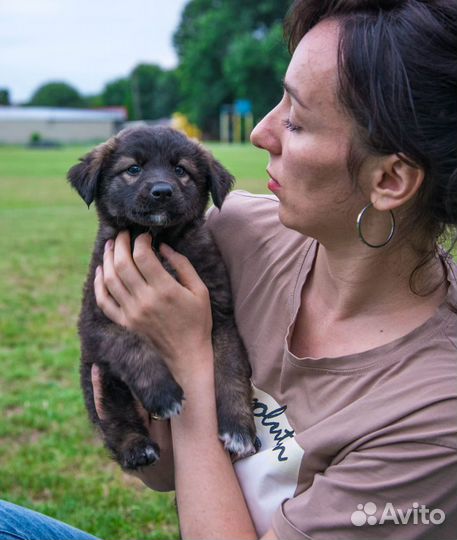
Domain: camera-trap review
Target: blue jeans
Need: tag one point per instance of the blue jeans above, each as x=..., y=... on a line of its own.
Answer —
x=18, y=523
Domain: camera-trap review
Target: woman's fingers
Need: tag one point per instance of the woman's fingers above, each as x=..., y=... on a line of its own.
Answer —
x=111, y=279
x=147, y=262
x=105, y=301
x=97, y=387
x=145, y=268
x=187, y=274
x=124, y=266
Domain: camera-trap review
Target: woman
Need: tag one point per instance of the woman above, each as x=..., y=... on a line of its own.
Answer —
x=345, y=302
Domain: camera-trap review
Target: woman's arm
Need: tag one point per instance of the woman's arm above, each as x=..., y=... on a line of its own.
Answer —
x=209, y=498
x=176, y=316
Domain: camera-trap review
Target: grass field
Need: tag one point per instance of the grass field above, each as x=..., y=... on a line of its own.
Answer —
x=50, y=459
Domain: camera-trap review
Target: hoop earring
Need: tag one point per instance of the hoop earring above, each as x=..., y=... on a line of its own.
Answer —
x=359, y=228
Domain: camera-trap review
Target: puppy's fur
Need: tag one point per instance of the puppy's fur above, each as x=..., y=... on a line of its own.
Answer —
x=157, y=180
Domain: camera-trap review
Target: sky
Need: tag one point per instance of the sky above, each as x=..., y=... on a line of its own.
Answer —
x=85, y=43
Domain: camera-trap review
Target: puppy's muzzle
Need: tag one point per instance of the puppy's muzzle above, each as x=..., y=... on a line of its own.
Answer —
x=161, y=191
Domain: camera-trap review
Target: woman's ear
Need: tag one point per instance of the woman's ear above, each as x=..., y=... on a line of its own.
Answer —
x=85, y=175
x=396, y=181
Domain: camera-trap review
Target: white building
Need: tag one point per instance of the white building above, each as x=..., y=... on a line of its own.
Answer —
x=19, y=124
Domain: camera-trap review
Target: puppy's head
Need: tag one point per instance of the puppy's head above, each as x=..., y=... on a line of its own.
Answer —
x=152, y=177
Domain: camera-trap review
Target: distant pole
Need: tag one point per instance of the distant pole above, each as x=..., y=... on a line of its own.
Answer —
x=236, y=121
x=225, y=123
x=243, y=109
x=237, y=130
x=248, y=125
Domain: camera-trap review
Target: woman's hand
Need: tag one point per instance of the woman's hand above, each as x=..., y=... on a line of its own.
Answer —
x=138, y=293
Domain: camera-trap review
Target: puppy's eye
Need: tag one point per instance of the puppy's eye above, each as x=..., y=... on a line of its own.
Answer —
x=180, y=171
x=134, y=170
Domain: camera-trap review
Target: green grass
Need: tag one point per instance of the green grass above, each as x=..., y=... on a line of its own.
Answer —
x=50, y=459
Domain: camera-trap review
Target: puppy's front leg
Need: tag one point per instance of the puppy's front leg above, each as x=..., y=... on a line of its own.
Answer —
x=124, y=432
x=130, y=368
x=135, y=362
x=233, y=390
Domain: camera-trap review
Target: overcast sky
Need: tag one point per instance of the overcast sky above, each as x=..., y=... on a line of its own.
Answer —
x=85, y=43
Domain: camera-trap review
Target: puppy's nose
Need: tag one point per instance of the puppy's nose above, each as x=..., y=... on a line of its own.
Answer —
x=161, y=191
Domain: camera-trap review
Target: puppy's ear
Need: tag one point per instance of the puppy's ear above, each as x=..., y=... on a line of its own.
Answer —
x=85, y=175
x=220, y=181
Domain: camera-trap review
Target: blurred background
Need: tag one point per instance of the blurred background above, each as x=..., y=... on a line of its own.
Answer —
x=72, y=73
x=218, y=64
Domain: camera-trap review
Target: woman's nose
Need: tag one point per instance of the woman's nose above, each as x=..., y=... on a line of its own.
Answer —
x=265, y=134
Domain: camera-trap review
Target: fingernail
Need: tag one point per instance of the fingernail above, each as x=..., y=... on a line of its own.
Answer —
x=109, y=245
x=95, y=371
x=166, y=248
x=98, y=270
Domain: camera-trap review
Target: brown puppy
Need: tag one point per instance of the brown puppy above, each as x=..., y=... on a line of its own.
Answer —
x=157, y=180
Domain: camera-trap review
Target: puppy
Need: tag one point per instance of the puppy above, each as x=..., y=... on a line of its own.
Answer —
x=157, y=180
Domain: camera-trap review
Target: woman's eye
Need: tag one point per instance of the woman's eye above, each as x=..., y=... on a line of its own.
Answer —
x=134, y=170
x=288, y=124
x=180, y=171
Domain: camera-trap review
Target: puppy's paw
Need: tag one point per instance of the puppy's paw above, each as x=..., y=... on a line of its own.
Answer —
x=237, y=429
x=239, y=444
x=165, y=402
x=166, y=411
x=138, y=454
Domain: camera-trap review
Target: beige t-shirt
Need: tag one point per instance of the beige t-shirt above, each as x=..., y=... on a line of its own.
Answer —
x=356, y=447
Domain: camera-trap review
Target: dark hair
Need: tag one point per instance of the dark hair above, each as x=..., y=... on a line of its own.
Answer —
x=397, y=67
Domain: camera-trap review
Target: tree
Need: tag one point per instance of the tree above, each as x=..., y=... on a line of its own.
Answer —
x=4, y=96
x=155, y=92
x=254, y=66
x=168, y=93
x=57, y=94
x=225, y=49
x=201, y=45
x=94, y=101
x=118, y=93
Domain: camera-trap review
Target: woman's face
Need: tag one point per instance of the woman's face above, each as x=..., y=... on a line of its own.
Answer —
x=307, y=135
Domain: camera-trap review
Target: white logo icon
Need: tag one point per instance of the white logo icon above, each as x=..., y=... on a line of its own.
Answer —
x=364, y=514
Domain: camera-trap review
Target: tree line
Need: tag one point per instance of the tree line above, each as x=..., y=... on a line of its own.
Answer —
x=227, y=50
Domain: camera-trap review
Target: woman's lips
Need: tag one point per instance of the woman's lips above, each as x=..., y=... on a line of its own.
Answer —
x=273, y=184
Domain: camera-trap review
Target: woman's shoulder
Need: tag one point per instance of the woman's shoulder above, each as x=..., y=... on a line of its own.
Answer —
x=242, y=208
x=248, y=226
